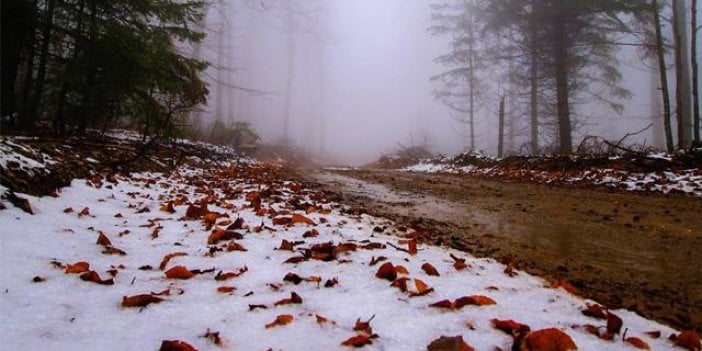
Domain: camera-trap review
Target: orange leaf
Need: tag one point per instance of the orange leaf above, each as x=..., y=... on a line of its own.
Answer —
x=226, y=289
x=168, y=257
x=638, y=343
x=458, y=263
x=449, y=343
x=78, y=267
x=429, y=269
x=225, y=276
x=168, y=207
x=400, y=283
x=179, y=272
x=298, y=218
x=176, y=345
x=103, y=240
x=294, y=299
x=281, y=319
x=141, y=300
x=550, y=339
x=563, y=284
x=219, y=234
x=689, y=340
x=412, y=244
x=509, y=326
x=478, y=300
x=286, y=245
x=387, y=272
x=364, y=327
x=401, y=270
x=443, y=304
x=357, y=341
x=422, y=288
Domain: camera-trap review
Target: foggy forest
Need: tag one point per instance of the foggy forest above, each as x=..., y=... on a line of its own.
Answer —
x=327, y=174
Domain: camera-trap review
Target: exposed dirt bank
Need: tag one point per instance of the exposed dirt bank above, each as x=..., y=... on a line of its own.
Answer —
x=641, y=252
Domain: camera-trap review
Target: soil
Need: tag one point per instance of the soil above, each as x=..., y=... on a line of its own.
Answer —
x=636, y=251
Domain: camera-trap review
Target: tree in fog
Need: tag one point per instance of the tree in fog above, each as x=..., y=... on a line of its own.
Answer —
x=683, y=90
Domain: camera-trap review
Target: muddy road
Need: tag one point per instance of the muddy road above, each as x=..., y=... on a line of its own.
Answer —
x=641, y=252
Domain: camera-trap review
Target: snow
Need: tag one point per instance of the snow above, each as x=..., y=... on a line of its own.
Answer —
x=66, y=313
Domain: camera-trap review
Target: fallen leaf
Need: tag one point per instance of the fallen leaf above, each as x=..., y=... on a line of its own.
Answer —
x=168, y=257
x=286, y=245
x=312, y=233
x=458, y=263
x=111, y=250
x=387, y=272
x=38, y=279
x=179, y=272
x=449, y=343
x=254, y=307
x=280, y=320
x=92, y=276
x=595, y=311
x=103, y=240
x=401, y=269
x=364, y=327
x=320, y=319
x=141, y=300
x=478, y=300
x=155, y=232
x=19, y=202
x=565, y=285
x=298, y=218
x=235, y=246
x=689, y=340
x=374, y=260
x=429, y=269
x=168, y=207
x=212, y=336
x=84, y=212
x=176, y=345
x=510, y=327
x=294, y=299
x=422, y=288
x=78, y=267
x=357, y=341
x=218, y=234
x=295, y=259
x=638, y=343
x=226, y=289
x=293, y=278
x=400, y=283
x=412, y=247
x=550, y=339
x=330, y=283
x=614, y=323
x=229, y=275
x=655, y=334
x=443, y=304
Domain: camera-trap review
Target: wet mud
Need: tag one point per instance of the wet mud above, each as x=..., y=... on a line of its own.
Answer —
x=624, y=250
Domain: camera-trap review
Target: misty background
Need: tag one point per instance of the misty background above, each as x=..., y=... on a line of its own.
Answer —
x=353, y=80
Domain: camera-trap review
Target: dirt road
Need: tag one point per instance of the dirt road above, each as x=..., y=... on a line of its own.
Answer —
x=641, y=252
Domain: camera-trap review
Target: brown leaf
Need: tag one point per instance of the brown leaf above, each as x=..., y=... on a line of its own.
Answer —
x=387, y=272
x=449, y=343
x=655, y=334
x=458, y=263
x=168, y=207
x=235, y=246
x=374, y=260
x=638, y=343
x=330, y=283
x=154, y=233
x=280, y=320
x=401, y=269
x=614, y=323
x=179, y=272
x=68, y=210
x=320, y=319
x=78, y=267
x=176, y=345
x=141, y=300
x=221, y=276
x=295, y=259
x=92, y=276
x=429, y=269
x=195, y=212
x=595, y=311
x=298, y=218
x=364, y=327
x=84, y=212
x=478, y=300
x=254, y=307
x=357, y=341
x=212, y=336
x=226, y=289
x=286, y=245
x=218, y=234
x=19, y=202
x=412, y=247
x=689, y=340
x=510, y=327
x=168, y=257
x=103, y=240
x=400, y=283
x=294, y=299
x=422, y=288
x=312, y=233
x=111, y=250
x=550, y=339
x=293, y=278
x=565, y=285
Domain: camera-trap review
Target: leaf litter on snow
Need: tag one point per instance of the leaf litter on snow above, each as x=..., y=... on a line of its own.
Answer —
x=256, y=261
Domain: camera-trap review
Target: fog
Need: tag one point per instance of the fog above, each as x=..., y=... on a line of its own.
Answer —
x=353, y=79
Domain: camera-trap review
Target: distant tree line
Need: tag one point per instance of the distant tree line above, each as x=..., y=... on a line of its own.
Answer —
x=550, y=56
x=70, y=65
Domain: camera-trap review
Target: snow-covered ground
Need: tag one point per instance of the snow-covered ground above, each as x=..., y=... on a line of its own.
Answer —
x=682, y=181
x=268, y=264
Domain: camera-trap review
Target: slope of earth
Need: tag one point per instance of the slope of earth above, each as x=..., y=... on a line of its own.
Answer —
x=635, y=251
x=240, y=258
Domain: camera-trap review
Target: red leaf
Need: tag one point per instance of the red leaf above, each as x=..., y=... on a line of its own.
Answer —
x=443, y=304
x=141, y=300
x=103, y=240
x=614, y=323
x=78, y=267
x=179, y=272
x=510, y=327
x=595, y=311
x=412, y=244
x=689, y=340
x=400, y=283
x=364, y=327
x=429, y=269
x=280, y=320
x=458, y=263
x=168, y=257
x=565, y=285
x=176, y=345
x=92, y=276
x=229, y=275
x=550, y=339
x=387, y=272
x=357, y=341
x=449, y=343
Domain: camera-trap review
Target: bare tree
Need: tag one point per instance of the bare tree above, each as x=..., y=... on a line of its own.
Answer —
x=683, y=90
x=695, y=74
x=663, y=76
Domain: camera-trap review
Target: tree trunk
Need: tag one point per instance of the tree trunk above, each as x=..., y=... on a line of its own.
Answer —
x=663, y=75
x=683, y=91
x=471, y=83
x=533, y=102
x=31, y=117
x=17, y=22
x=501, y=128
x=562, y=94
x=695, y=73
x=290, y=74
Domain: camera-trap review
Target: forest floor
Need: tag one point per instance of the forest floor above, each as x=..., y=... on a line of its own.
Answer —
x=627, y=250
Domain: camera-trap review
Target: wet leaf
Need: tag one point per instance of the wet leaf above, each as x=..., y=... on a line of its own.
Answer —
x=179, y=272
x=141, y=300
x=429, y=269
x=168, y=257
x=78, y=267
x=449, y=343
x=689, y=340
x=550, y=339
x=638, y=343
x=387, y=272
x=357, y=341
x=176, y=345
x=280, y=320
